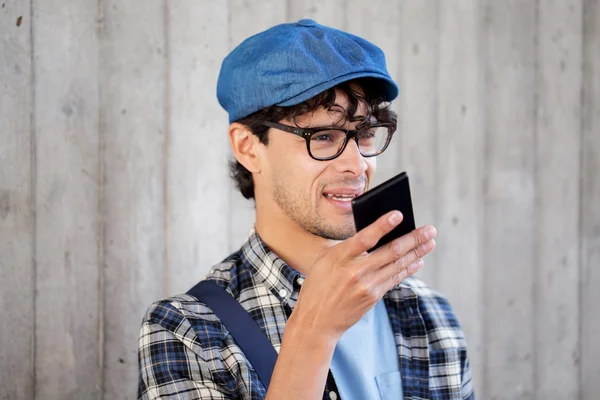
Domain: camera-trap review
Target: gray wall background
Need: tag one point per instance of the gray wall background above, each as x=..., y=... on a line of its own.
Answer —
x=114, y=188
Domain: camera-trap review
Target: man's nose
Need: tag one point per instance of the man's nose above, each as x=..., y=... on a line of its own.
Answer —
x=351, y=160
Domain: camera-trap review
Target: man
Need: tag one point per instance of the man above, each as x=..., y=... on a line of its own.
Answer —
x=309, y=111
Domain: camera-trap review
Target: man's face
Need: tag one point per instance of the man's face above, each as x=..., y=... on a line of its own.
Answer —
x=314, y=194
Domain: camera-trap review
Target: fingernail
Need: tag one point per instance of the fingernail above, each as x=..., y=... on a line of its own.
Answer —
x=430, y=232
x=395, y=217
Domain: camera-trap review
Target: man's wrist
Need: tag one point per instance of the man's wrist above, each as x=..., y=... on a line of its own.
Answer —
x=305, y=335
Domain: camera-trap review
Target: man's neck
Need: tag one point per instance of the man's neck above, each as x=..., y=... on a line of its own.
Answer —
x=294, y=245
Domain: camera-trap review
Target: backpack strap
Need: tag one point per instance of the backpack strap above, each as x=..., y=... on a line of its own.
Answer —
x=249, y=337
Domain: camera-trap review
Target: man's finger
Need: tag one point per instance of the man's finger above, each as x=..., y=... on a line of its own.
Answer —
x=368, y=237
x=393, y=280
x=394, y=268
x=409, y=245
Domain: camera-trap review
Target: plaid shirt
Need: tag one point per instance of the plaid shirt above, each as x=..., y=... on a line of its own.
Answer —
x=186, y=353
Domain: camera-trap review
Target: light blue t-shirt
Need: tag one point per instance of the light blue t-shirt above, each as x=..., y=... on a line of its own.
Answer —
x=365, y=362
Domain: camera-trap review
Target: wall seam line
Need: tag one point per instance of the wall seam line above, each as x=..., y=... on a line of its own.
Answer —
x=101, y=226
x=166, y=146
x=536, y=170
x=485, y=332
x=33, y=191
x=582, y=202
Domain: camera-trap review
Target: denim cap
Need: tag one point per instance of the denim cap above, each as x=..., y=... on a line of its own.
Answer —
x=291, y=63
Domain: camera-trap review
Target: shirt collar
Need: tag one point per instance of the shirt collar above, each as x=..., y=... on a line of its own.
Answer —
x=270, y=270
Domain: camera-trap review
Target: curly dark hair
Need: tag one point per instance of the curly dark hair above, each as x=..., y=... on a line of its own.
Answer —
x=373, y=98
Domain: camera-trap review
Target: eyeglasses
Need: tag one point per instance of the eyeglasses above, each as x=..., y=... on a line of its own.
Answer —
x=327, y=143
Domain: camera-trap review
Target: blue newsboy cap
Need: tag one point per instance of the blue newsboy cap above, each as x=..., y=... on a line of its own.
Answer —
x=291, y=63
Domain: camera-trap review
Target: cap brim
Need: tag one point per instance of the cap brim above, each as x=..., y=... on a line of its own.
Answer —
x=390, y=88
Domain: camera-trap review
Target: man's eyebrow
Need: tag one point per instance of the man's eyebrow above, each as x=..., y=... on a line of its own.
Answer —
x=337, y=109
x=322, y=126
x=340, y=124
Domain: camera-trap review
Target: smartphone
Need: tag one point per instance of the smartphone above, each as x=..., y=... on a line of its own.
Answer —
x=393, y=194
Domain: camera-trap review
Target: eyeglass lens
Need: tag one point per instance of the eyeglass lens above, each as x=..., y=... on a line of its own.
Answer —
x=328, y=143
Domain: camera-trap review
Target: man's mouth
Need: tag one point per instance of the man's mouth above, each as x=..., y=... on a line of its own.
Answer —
x=341, y=197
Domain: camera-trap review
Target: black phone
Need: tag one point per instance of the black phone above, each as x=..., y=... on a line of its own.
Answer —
x=393, y=194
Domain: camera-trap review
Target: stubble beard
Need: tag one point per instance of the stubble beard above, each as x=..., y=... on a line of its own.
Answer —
x=299, y=208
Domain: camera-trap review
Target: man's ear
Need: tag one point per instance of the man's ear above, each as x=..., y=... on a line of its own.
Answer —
x=243, y=144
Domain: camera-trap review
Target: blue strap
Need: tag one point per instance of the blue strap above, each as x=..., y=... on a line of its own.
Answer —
x=250, y=338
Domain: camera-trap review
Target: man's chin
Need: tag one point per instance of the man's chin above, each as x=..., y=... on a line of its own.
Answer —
x=335, y=231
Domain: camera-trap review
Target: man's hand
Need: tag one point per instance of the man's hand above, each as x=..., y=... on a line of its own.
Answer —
x=346, y=282
x=342, y=285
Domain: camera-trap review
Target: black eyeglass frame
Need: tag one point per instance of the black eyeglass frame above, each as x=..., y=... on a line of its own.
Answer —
x=307, y=134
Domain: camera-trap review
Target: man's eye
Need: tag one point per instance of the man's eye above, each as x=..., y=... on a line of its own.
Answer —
x=366, y=134
x=324, y=137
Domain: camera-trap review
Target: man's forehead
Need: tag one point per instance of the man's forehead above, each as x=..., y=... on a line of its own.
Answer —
x=343, y=103
x=342, y=99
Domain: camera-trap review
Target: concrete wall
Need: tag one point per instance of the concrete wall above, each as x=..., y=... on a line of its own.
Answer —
x=114, y=188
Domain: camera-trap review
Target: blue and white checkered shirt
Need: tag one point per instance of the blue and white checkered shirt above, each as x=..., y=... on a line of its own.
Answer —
x=186, y=353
